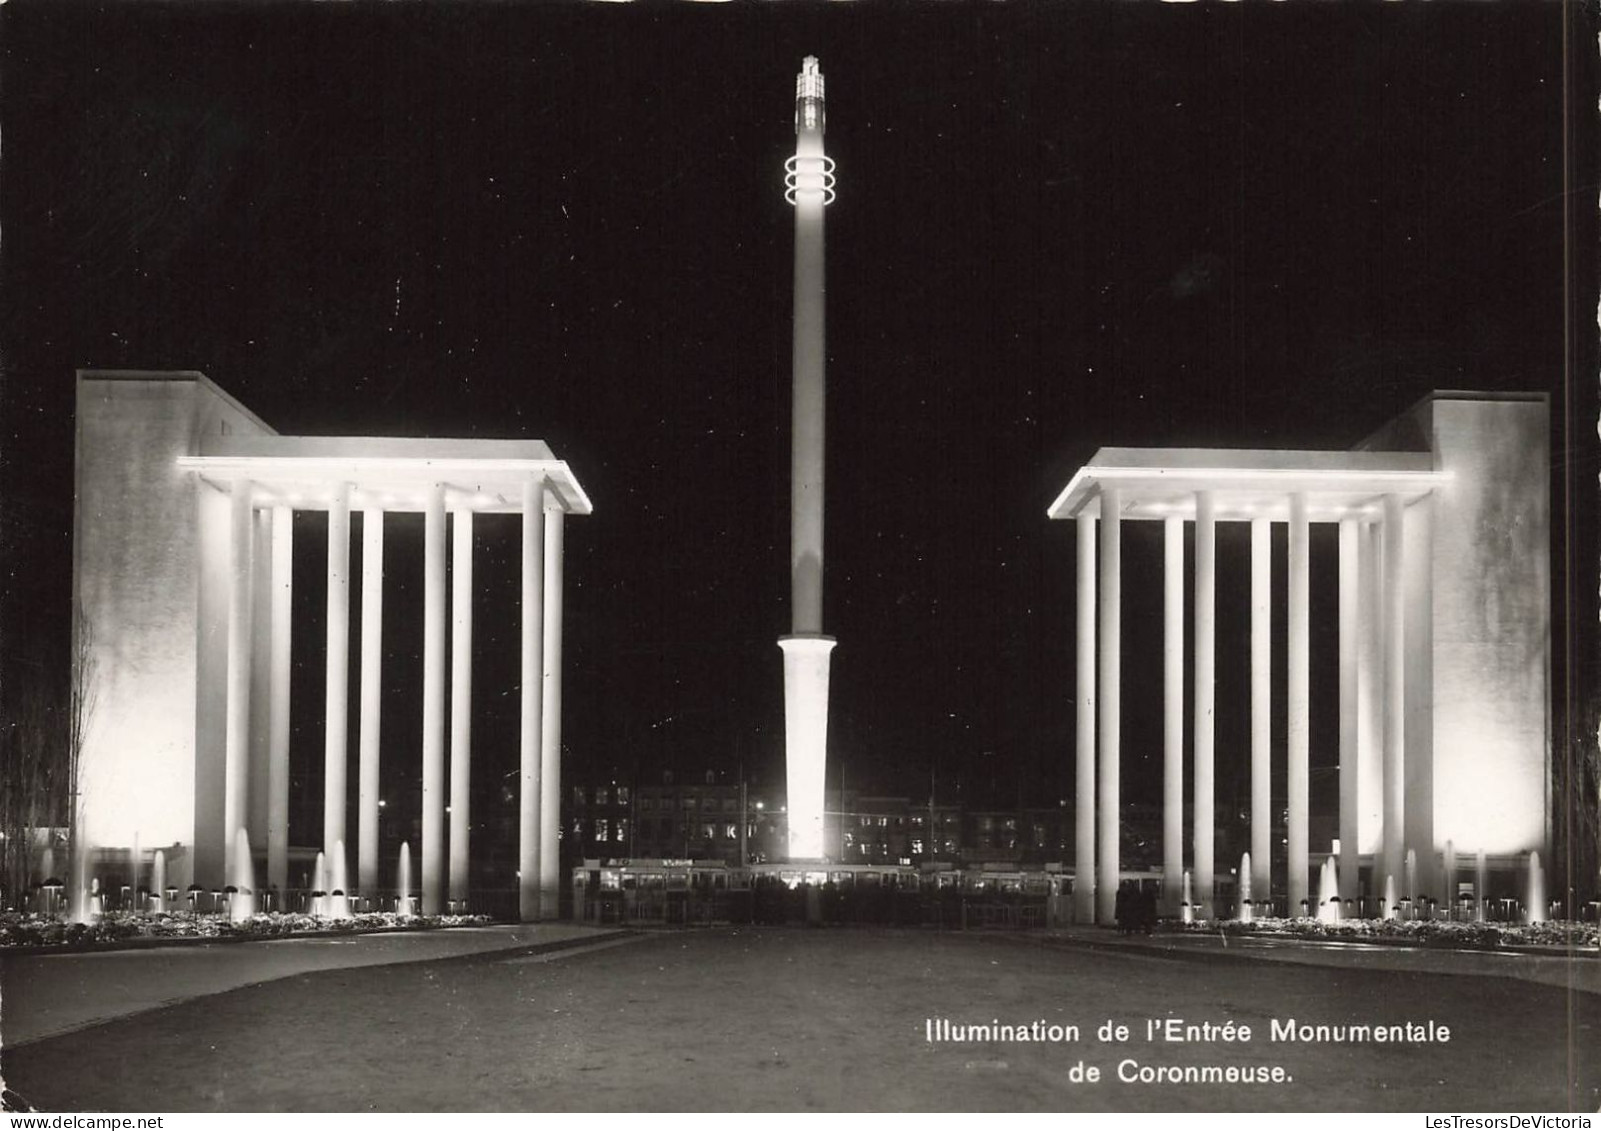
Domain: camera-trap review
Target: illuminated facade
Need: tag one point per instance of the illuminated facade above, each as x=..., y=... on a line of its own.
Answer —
x=809, y=186
x=1444, y=698
x=182, y=566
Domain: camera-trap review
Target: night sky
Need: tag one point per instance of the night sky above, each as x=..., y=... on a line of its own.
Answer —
x=1059, y=227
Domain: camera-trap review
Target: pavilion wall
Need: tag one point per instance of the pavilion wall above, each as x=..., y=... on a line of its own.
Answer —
x=140, y=556
x=1487, y=680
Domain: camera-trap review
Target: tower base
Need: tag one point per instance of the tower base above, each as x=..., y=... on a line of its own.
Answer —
x=806, y=662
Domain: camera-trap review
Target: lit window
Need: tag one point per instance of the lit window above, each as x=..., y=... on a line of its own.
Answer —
x=917, y=846
x=883, y=822
x=708, y=832
x=622, y=830
x=601, y=828
x=622, y=795
x=603, y=796
x=730, y=832
x=578, y=830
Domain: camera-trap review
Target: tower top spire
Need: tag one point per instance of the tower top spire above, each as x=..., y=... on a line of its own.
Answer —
x=809, y=97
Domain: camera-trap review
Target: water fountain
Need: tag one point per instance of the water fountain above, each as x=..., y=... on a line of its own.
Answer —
x=1534, y=908
x=1187, y=911
x=405, y=905
x=1245, y=888
x=1391, y=909
x=319, y=888
x=338, y=899
x=1481, y=887
x=243, y=904
x=158, y=882
x=1410, y=894
x=1328, y=892
x=83, y=894
x=1448, y=866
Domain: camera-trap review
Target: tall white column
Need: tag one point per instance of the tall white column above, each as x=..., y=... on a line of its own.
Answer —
x=550, y=733
x=1084, y=770
x=1370, y=701
x=260, y=757
x=1205, y=814
x=1350, y=684
x=1109, y=802
x=372, y=658
x=533, y=683
x=1172, y=714
x=1261, y=710
x=1394, y=688
x=335, y=737
x=433, y=703
x=236, y=781
x=1417, y=742
x=1298, y=707
x=283, y=559
x=461, y=701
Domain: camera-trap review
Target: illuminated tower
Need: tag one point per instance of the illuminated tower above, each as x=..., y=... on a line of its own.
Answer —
x=809, y=186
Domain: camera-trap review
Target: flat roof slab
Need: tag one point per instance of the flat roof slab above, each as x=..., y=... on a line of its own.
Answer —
x=388, y=473
x=1160, y=483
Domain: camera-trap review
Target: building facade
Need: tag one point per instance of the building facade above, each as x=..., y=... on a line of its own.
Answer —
x=182, y=572
x=1444, y=624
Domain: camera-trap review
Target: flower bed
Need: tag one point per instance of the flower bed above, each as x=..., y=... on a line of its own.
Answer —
x=1421, y=932
x=125, y=926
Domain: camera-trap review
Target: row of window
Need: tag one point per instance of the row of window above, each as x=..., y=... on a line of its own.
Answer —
x=616, y=831
x=603, y=829
x=620, y=796
x=603, y=795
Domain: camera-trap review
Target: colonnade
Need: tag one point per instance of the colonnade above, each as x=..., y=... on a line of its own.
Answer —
x=267, y=547
x=1374, y=549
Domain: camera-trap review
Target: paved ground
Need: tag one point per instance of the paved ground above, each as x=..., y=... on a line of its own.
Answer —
x=45, y=994
x=820, y=1020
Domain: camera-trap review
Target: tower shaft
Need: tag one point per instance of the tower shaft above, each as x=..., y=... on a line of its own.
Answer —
x=806, y=452
x=809, y=182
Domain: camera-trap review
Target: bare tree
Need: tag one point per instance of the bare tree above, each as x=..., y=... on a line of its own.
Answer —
x=81, y=697
x=1576, y=783
x=32, y=788
x=42, y=738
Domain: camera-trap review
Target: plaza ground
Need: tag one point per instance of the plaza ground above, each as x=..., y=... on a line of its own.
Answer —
x=791, y=1019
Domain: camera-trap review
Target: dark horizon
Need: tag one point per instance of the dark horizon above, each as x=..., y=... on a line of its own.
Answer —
x=1057, y=230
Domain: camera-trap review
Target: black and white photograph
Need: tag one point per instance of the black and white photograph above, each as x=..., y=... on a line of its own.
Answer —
x=800, y=556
